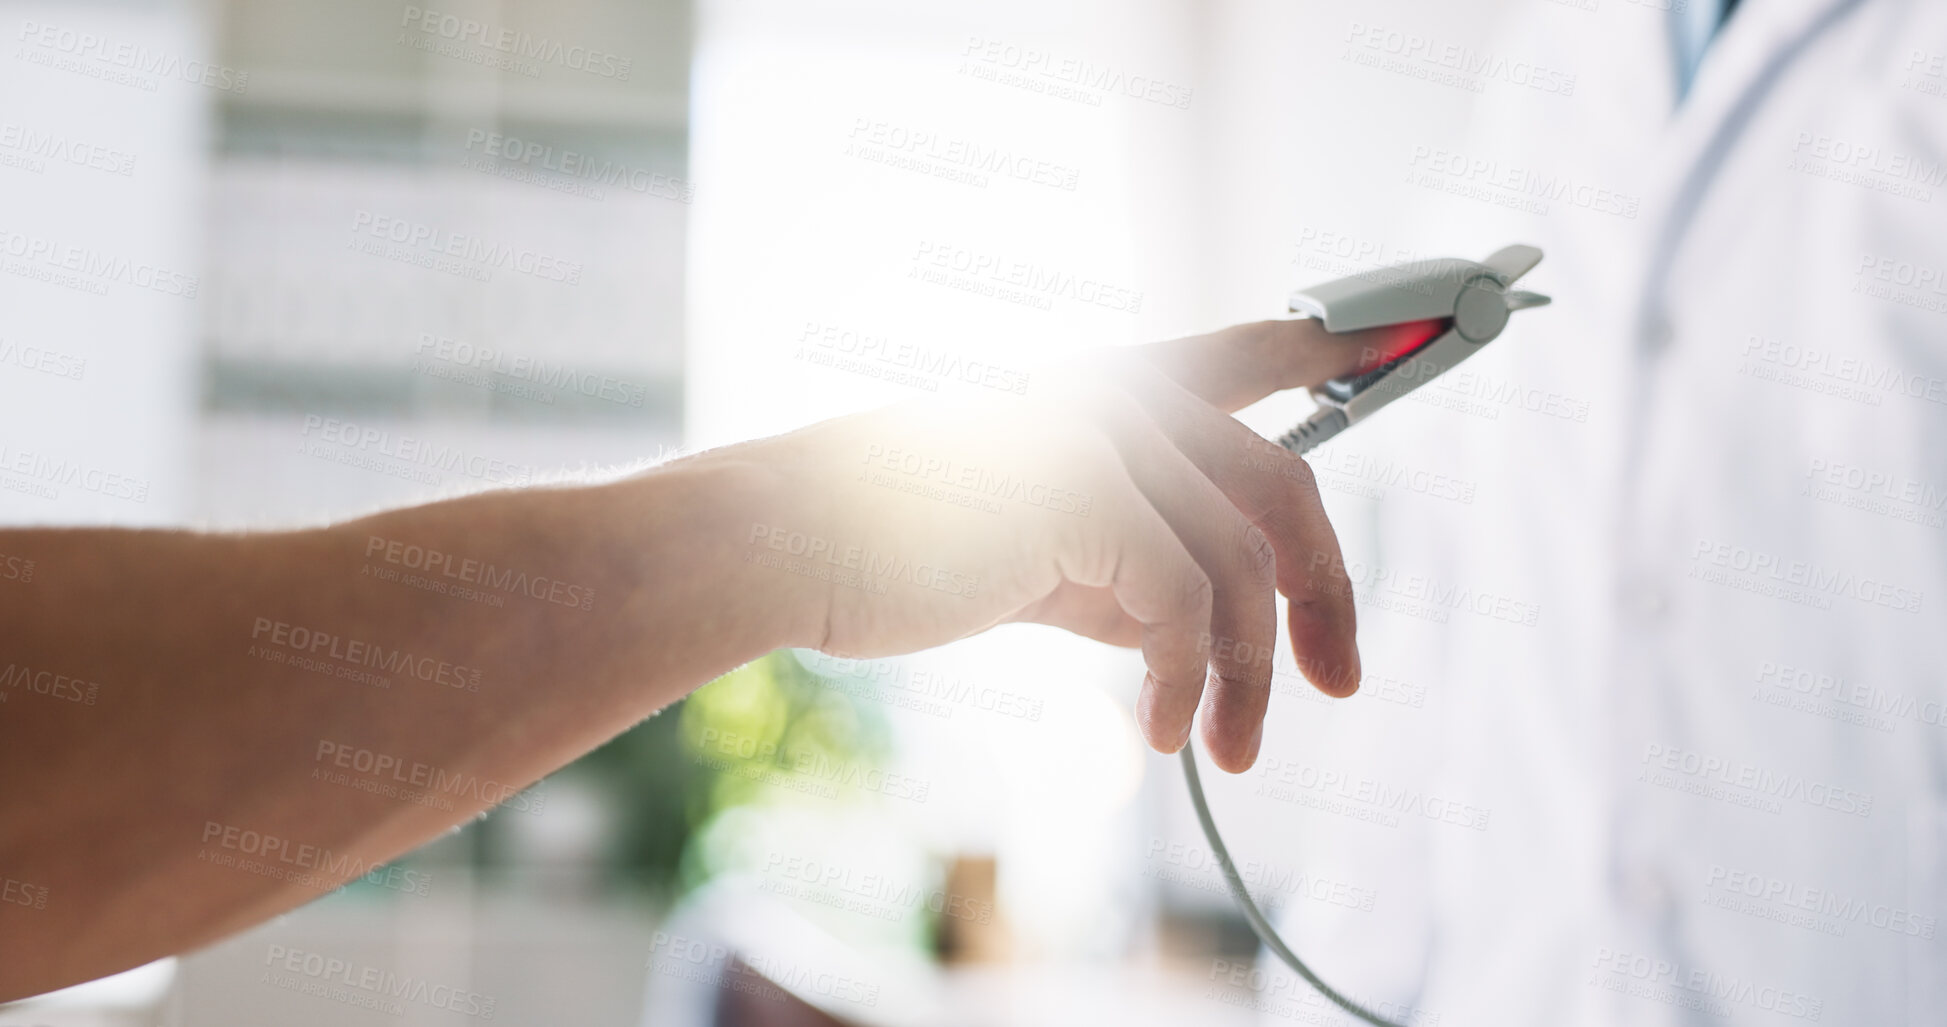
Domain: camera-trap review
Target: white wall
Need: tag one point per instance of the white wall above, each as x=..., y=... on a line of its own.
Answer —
x=108, y=446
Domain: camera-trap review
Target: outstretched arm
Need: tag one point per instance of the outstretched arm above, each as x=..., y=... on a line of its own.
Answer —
x=178, y=707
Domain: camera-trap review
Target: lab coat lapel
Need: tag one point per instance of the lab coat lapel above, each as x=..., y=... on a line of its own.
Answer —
x=1752, y=50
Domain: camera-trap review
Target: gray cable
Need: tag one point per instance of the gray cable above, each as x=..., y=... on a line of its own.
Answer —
x=1259, y=925
x=1324, y=423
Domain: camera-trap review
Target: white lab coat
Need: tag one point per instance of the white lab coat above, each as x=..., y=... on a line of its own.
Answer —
x=1732, y=549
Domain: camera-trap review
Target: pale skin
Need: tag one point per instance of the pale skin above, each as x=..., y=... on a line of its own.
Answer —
x=205, y=724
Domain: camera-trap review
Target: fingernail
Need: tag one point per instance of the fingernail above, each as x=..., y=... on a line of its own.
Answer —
x=1184, y=738
x=1257, y=742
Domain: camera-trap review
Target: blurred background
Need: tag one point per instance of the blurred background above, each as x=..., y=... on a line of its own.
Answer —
x=335, y=257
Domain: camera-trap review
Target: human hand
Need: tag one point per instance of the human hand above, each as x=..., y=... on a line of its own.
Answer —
x=1116, y=499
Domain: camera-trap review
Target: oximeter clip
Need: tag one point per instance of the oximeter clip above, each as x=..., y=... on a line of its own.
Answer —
x=1474, y=299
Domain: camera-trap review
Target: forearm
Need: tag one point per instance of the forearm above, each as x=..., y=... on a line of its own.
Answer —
x=322, y=701
x=443, y=655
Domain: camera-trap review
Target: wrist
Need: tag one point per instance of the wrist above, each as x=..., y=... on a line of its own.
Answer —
x=729, y=515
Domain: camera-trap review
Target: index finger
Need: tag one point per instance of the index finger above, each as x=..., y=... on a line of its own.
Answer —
x=1237, y=366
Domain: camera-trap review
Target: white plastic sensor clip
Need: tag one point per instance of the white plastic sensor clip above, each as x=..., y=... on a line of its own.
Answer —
x=1474, y=298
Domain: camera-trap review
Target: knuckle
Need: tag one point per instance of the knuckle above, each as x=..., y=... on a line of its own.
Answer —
x=1260, y=558
x=1194, y=596
x=1330, y=592
x=1316, y=607
x=1238, y=688
x=1299, y=472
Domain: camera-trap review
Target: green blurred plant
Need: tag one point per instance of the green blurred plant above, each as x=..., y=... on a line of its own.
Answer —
x=739, y=740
